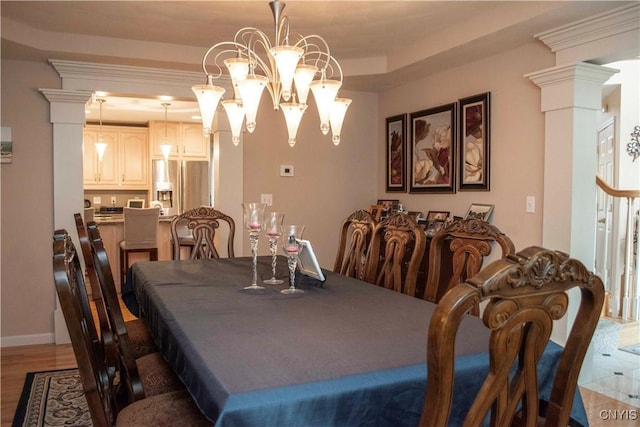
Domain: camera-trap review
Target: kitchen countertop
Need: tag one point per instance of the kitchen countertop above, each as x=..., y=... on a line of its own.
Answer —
x=119, y=219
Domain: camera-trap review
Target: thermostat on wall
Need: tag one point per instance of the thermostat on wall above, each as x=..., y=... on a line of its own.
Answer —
x=286, y=170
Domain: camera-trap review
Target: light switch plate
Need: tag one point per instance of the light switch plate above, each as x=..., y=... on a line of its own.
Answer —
x=267, y=199
x=286, y=170
x=531, y=204
x=97, y=200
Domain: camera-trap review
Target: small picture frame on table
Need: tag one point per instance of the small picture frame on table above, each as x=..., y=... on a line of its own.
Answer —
x=433, y=226
x=376, y=212
x=437, y=215
x=479, y=211
x=396, y=153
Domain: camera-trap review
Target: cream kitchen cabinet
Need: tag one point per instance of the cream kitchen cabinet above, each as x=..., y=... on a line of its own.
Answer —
x=125, y=165
x=186, y=139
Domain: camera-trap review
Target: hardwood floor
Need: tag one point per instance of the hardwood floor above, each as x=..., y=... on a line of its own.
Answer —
x=17, y=361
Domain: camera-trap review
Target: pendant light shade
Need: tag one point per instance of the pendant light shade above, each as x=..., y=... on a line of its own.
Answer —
x=100, y=145
x=238, y=70
x=166, y=146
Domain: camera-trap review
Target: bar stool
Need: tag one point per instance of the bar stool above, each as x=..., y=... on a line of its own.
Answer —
x=140, y=235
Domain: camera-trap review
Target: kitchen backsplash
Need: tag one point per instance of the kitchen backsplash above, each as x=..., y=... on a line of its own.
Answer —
x=97, y=198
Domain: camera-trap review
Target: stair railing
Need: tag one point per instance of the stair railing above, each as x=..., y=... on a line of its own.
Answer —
x=631, y=265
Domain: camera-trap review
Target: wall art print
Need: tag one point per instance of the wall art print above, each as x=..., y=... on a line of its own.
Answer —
x=396, y=153
x=474, y=142
x=433, y=150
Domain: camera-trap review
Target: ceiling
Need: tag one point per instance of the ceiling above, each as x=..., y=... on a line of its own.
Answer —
x=379, y=44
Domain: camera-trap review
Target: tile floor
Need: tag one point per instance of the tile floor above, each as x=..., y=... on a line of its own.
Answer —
x=616, y=373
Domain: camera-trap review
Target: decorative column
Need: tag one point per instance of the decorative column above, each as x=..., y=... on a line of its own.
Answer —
x=570, y=98
x=68, y=118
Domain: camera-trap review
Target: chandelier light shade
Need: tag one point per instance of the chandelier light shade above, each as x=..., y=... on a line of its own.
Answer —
x=235, y=114
x=286, y=67
x=208, y=97
x=338, y=111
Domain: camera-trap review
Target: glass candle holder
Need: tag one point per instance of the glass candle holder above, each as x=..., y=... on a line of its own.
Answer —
x=253, y=219
x=291, y=246
x=272, y=228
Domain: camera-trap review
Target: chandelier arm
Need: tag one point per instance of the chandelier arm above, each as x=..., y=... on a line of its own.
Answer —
x=236, y=47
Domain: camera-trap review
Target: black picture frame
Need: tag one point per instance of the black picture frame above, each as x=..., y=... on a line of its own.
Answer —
x=396, y=149
x=475, y=142
x=433, y=150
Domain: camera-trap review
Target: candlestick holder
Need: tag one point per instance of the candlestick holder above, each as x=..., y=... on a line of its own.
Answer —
x=253, y=218
x=272, y=228
x=291, y=237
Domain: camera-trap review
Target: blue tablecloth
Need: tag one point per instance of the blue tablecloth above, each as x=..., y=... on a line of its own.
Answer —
x=345, y=354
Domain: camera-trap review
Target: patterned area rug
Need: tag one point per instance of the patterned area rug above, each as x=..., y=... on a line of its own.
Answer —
x=52, y=398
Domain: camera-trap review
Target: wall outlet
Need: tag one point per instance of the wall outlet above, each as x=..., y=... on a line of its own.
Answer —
x=113, y=200
x=97, y=200
x=267, y=199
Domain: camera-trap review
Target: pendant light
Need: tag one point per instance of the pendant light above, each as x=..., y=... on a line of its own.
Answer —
x=101, y=146
x=166, y=146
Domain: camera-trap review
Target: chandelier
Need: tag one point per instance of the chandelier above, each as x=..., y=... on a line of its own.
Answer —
x=255, y=63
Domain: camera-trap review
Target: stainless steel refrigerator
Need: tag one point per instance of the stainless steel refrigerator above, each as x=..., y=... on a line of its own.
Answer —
x=181, y=185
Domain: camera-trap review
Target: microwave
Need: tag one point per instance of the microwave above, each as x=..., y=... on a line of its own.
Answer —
x=135, y=203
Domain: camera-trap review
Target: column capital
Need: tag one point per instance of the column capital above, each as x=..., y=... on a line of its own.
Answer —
x=573, y=85
x=67, y=106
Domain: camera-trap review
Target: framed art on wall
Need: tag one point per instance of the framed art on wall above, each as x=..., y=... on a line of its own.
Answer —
x=396, y=153
x=474, y=142
x=433, y=136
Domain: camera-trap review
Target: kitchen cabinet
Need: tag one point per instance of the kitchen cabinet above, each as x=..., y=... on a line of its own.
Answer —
x=186, y=139
x=125, y=164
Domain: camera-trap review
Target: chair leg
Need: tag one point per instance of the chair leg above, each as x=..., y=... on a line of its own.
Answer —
x=124, y=261
x=153, y=254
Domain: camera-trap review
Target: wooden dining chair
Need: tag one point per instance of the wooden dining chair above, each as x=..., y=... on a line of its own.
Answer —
x=145, y=376
x=355, y=236
x=97, y=376
x=395, y=252
x=467, y=242
x=141, y=341
x=525, y=294
x=203, y=223
x=140, y=235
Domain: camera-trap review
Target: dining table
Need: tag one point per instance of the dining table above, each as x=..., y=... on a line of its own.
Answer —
x=342, y=353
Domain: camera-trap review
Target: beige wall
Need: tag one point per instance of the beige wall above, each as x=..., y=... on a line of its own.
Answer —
x=517, y=137
x=26, y=287
x=329, y=181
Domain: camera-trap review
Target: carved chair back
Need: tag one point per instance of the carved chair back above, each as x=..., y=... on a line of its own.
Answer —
x=355, y=236
x=525, y=294
x=95, y=368
x=203, y=223
x=468, y=241
x=395, y=252
x=127, y=362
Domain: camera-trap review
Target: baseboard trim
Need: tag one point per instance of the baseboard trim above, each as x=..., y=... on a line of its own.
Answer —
x=27, y=340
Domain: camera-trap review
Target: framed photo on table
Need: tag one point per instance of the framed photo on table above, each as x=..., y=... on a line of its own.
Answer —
x=475, y=146
x=437, y=215
x=433, y=150
x=396, y=153
x=479, y=211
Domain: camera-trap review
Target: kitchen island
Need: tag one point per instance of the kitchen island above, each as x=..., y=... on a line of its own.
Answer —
x=112, y=232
